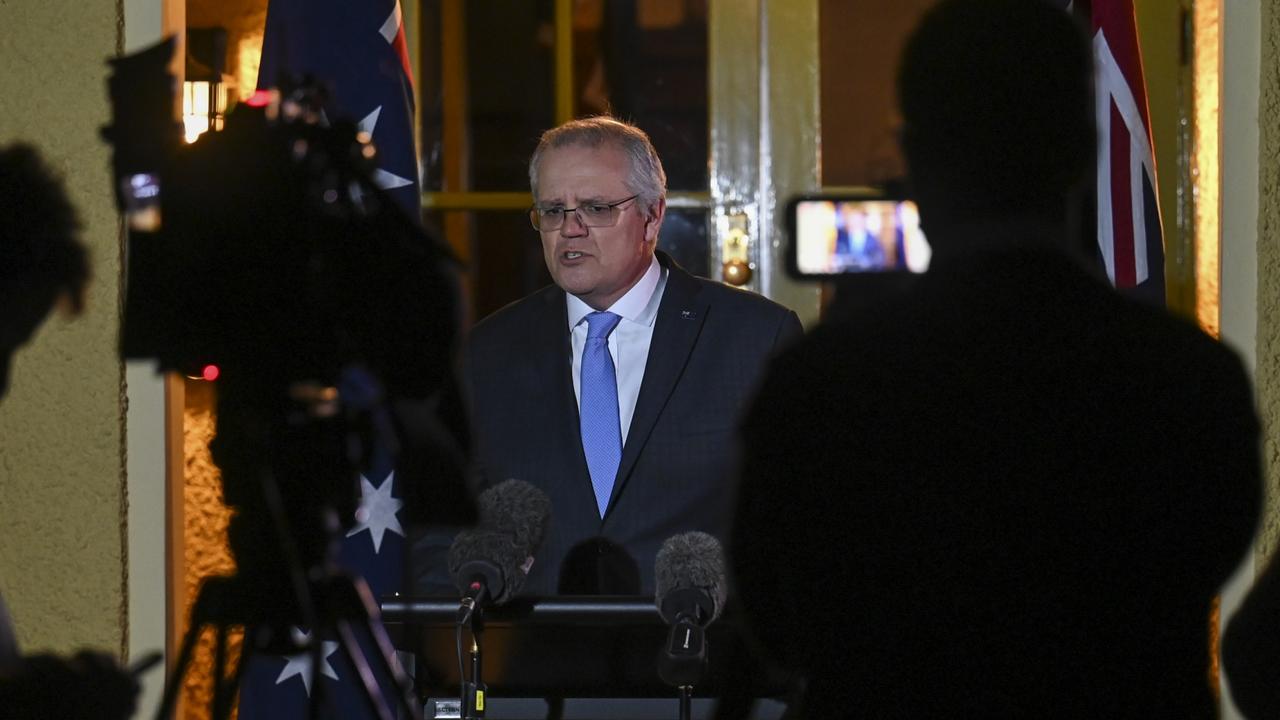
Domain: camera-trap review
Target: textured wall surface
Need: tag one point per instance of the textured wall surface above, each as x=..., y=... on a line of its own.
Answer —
x=62, y=501
x=204, y=547
x=1269, y=267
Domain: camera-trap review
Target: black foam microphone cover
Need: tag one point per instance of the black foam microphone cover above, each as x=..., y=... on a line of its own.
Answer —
x=499, y=552
x=494, y=558
x=518, y=509
x=690, y=579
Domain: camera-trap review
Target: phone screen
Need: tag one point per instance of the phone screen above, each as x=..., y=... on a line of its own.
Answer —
x=834, y=236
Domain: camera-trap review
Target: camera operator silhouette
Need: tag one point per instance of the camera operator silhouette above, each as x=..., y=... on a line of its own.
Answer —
x=1041, y=484
x=1251, y=648
x=43, y=262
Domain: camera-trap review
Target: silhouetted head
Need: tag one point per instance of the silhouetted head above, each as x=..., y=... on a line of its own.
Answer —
x=41, y=258
x=996, y=100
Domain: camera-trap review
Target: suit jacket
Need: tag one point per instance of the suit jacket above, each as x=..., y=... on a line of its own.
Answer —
x=710, y=345
x=1014, y=493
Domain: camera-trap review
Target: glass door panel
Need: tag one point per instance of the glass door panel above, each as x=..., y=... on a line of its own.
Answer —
x=496, y=73
x=860, y=43
x=698, y=76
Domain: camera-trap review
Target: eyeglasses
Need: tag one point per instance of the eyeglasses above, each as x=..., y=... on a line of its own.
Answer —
x=594, y=214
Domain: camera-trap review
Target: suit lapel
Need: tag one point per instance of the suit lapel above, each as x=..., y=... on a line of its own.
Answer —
x=675, y=332
x=553, y=353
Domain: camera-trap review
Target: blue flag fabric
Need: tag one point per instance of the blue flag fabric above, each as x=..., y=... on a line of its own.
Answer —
x=357, y=49
x=280, y=688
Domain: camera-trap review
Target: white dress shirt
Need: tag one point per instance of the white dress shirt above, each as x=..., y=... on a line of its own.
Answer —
x=629, y=341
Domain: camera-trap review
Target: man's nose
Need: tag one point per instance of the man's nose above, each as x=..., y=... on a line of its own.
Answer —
x=572, y=225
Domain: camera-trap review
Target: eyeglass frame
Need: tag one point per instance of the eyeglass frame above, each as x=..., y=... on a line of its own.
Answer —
x=535, y=214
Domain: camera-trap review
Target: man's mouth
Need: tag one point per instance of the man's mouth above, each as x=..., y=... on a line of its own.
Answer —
x=572, y=255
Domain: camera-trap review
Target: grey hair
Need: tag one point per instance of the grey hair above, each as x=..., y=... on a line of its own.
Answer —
x=647, y=179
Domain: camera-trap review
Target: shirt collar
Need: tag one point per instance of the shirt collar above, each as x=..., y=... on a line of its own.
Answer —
x=635, y=305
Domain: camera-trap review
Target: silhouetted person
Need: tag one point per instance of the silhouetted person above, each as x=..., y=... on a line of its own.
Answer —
x=1251, y=648
x=1008, y=492
x=41, y=262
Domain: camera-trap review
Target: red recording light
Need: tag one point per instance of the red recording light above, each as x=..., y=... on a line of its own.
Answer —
x=210, y=372
x=260, y=98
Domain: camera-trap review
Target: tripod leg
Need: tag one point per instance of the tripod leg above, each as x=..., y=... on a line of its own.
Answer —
x=355, y=656
x=174, y=684
x=317, y=657
x=233, y=687
x=360, y=604
x=388, y=663
x=220, y=710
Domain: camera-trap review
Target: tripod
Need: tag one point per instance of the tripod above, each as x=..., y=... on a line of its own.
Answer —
x=346, y=607
x=286, y=576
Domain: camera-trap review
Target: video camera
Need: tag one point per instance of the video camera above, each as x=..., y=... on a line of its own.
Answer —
x=275, y=253
x=266, y=251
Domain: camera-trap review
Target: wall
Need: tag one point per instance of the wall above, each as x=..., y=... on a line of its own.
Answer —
x=62, y=502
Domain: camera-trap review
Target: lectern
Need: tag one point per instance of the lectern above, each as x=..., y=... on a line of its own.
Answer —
x=577, y=657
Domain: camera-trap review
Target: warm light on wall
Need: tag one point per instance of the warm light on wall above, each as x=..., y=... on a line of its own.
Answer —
x=248, y=59
x=1206, y=149
x=206, y=552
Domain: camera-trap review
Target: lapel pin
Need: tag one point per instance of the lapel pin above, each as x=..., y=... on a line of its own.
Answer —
x=688, y=315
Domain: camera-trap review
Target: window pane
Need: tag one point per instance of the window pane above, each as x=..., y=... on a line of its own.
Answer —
x=503, y=256
x=860, y=44
x=684, y=238
x=486, y=85
x=646, y=61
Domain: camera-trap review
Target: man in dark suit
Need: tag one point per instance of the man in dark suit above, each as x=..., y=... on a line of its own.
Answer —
x=1007, y=491
x=617, y=390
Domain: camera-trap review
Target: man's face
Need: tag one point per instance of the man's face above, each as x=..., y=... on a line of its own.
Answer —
x=597, y=264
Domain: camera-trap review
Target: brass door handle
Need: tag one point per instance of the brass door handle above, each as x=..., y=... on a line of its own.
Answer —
x=736, y=252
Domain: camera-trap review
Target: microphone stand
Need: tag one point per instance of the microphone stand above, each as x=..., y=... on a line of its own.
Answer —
x=683, y=661
x=686, y=702
x=474, y=690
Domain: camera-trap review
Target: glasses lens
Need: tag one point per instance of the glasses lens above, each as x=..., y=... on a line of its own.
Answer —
x=546, y=219
x=598, y=215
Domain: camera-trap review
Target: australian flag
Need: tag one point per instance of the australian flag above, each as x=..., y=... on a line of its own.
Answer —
x=1130, y=239
x=357, y=49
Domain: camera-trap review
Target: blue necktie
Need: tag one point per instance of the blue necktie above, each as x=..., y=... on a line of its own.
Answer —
x=598, y=411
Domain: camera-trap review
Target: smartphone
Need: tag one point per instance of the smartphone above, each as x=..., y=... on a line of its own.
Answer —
x=838, y=235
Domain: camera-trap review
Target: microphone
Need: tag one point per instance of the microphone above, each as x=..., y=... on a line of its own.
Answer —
x=690, y=579
x=690, y=592
x=489, y=563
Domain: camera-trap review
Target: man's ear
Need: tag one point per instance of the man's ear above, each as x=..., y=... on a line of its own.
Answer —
x=654, y=222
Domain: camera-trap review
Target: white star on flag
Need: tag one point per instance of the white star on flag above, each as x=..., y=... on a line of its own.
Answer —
x=391, y=26
x=381, y=178
x=377, y=511
x=300, y=664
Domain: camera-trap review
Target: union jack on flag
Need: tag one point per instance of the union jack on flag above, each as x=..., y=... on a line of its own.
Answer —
x=1128, y=212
